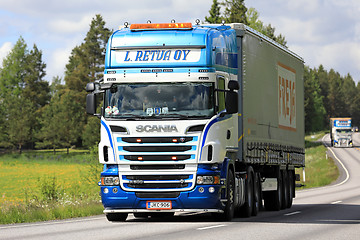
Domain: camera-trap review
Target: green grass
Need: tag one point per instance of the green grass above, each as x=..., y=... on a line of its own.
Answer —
x=38, y=186
x=41, y=186
x=319, y=170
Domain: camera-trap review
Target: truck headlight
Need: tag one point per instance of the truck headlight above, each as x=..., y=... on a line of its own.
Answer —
x=208, y=180
x=110, y=181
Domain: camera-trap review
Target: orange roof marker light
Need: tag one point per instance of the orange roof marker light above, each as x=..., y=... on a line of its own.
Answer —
x=157, y=26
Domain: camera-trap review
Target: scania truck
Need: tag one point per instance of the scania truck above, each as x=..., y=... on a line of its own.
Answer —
x=198, y=118
x=341, y=132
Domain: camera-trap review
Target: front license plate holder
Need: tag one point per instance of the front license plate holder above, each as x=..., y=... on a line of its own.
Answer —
x=158, y=205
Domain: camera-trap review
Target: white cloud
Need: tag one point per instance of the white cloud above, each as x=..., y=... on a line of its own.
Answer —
x=70, y=26
x=58, y=58
x=323, y=32
x=4, y=51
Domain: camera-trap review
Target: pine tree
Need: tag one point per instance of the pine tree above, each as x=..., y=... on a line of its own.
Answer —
x=36, y=90
x=23, y=93
x=313, y=104
x=214, y=13
x=86, y=64
x=349, y=92
x=13, y=108
x=235, y=11
x=50, y=119
x=335, y=97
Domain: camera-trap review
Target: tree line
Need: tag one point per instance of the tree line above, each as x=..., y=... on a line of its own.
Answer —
x=37, y=114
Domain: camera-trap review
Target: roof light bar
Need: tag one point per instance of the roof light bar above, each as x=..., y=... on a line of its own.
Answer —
x=150, y=26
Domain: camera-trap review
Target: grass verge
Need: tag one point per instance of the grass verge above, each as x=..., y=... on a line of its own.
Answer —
x=319, y=170
x=40, y=186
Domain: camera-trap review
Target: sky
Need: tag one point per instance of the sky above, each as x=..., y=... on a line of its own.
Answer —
x=323, y=32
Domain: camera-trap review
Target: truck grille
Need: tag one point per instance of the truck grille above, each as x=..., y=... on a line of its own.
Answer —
x=163, y=182
x=170, y=155
x=157, y=148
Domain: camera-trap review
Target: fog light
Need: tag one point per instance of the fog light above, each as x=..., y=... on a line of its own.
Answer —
x=201, y=190
x=211, y=189
x=115, y=190
x=106, y=190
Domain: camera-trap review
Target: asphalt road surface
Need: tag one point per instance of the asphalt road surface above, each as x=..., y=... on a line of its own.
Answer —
x=331, y=212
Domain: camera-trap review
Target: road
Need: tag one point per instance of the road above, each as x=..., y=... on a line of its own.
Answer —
x=331, y=212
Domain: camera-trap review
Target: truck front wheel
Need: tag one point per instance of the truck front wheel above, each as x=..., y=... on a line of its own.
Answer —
x=230, y=203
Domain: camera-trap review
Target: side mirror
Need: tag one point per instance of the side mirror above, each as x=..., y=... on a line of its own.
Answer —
x=233, y=85
x=90, y=87
x=231, y=102
x=91, y=103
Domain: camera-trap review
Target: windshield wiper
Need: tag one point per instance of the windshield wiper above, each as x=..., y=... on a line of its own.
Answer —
x=176, y=115
x=129, y=116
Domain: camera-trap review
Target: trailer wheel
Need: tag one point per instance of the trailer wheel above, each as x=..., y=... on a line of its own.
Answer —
x=116, y=217
x=230, y=203
x=291, y=188
x=247, y=209
x=286, y=189
x=257, y=195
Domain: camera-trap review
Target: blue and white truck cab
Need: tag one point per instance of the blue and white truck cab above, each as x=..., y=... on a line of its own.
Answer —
x=174, y=137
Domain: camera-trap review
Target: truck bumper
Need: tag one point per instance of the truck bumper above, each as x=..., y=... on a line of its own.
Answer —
x=199, y=199
x=343, y=143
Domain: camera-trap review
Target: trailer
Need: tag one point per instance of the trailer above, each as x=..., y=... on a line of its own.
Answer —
x=198, y=118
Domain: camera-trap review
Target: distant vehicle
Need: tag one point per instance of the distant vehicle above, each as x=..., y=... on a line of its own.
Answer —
x=355, y=129
x=341, y=132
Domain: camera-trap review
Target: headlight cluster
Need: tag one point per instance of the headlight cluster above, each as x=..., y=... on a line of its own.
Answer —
x=208, y=180
x=110, y=181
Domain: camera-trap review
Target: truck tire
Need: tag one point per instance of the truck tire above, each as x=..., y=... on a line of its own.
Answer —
x=292, y=187
x=273, y=199
x=229, y=210
x=247, y=209
x=116, y=217
x=286, y=189
x=257, y=195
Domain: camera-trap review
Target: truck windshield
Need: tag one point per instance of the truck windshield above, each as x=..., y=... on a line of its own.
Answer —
x=165, y=100
x=343, y=130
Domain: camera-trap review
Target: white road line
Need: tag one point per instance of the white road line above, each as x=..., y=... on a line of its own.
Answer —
x=336, y=202
x=342, y=165
x=51, y=222
x=210, y=227
x=292, y=213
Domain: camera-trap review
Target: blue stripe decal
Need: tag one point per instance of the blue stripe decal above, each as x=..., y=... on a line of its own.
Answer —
x=109, y=135
x=205, y=134
x=212, y=122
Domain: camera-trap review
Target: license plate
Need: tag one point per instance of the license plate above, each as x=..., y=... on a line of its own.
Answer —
x=158, y=205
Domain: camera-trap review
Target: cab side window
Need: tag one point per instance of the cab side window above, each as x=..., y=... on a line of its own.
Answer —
x=221, y=94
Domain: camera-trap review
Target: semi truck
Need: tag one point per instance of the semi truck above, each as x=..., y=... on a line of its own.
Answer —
x=341, y=132
x=198, y=118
